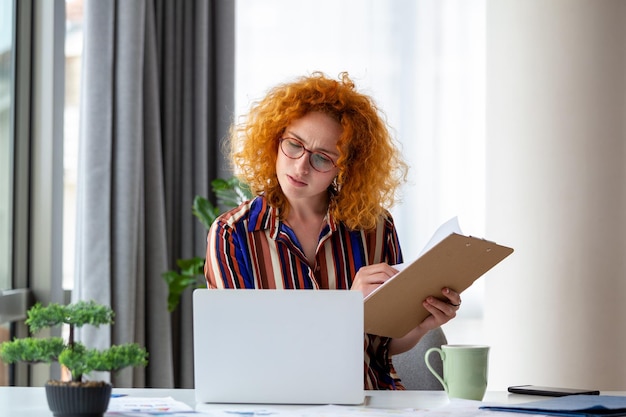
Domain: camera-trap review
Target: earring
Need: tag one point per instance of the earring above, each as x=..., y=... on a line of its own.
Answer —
x=334, y=186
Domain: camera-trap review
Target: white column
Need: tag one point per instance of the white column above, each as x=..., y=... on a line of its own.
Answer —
x=556, y=191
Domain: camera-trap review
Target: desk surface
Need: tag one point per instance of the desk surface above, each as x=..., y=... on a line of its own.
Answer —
x=31, y=401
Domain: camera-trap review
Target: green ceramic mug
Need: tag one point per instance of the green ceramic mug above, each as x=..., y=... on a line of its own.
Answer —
x=465, y=369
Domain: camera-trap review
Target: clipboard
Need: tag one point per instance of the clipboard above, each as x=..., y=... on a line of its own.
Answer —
x=394, y=308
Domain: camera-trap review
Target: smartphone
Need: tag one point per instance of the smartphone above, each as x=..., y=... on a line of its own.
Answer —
x=550, y=391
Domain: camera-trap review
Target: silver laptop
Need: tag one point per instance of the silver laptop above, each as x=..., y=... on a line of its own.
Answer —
x=278, y=346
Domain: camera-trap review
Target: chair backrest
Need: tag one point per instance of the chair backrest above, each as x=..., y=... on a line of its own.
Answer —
x=411, y=367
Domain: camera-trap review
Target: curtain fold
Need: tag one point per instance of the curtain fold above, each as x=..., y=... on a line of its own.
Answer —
x=149, y=143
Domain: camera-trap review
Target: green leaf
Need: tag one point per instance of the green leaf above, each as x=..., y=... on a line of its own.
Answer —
x=191, y=275
x=191, y=267
x=78, y=315
x=177, y=284
x=204, y=211
x=231, y=192
x=31, y=350
x=120, y=356
x=228, y=193
x=78, y=361
x=40, y=317
x=82, y=361
x=88, y=312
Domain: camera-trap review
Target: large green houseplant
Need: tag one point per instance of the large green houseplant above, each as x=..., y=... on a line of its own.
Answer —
x=190, y=273
x=78, y=396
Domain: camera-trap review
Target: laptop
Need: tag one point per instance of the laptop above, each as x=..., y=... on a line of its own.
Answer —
x=278, y=346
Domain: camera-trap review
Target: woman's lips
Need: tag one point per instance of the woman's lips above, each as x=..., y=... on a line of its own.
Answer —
x=296, y=181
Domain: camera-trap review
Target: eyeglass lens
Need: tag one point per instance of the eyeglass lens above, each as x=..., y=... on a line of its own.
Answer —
x=294, y=149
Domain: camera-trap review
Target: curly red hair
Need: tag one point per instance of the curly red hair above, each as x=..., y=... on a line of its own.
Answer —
x=370, y=166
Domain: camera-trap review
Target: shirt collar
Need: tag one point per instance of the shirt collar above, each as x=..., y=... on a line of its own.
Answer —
x=269, y=219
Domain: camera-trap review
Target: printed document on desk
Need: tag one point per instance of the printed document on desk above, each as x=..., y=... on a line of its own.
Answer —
x=454, y=408
x=449, y=260
x=570, y=406
x=127, y=406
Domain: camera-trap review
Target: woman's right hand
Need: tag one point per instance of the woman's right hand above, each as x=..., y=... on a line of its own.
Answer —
x=370, y=277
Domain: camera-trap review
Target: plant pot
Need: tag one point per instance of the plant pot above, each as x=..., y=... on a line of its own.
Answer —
x=78, y=399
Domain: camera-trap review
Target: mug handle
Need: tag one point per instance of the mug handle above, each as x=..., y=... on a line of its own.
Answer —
x=431, y=369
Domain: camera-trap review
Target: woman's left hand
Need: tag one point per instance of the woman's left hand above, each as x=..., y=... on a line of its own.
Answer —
x=441, y=312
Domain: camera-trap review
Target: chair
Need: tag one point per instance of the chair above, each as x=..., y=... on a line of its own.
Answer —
x=411, y=367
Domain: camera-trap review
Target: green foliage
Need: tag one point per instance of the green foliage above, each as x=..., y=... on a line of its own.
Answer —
x=73, y=355
x=76, y=315
x=190, y=271
x=79, y=360
x=32, y=350
x=121, y=356
x=82, y=361
x=204, y=211
x=229, y=193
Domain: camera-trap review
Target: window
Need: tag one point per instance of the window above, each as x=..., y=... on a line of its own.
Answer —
x=6, y=140
x=73, y=59
x=29, y=167
x=421, y=61
x=6, y=161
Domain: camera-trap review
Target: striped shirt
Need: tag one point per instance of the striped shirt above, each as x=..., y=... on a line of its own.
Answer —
x=249, y=247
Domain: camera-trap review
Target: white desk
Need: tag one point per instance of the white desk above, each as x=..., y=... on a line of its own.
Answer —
x=31, y=402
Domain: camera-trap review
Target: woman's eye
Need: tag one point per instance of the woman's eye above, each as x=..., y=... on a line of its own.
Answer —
x=322, y=159
x=293, y=144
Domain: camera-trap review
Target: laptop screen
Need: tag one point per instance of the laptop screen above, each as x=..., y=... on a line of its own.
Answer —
x=278, y=346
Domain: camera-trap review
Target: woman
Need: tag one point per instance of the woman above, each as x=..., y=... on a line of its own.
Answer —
x=323, y=166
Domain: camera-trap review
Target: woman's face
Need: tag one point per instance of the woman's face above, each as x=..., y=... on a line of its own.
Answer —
x=318, y=133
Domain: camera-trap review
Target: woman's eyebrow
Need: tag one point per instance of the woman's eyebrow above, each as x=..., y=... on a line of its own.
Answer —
x=332, y=152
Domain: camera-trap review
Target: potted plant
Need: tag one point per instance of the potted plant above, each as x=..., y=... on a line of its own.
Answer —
x=229, y=193
x=78, y=396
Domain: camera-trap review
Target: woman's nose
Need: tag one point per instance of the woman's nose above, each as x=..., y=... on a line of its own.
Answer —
x=303, y=163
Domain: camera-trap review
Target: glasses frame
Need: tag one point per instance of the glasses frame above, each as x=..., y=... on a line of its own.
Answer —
x=305, y=150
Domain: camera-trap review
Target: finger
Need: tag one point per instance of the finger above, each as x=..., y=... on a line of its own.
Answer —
x=436, y=305
x=437, y=316
x=382, y=268
x=376, y=274
x=370, y=277
x=453, y=297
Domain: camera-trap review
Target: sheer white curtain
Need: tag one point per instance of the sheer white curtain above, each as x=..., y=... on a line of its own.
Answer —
x=423, y=62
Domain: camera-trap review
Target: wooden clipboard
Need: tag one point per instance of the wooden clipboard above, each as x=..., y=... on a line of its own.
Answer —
x=395, y=307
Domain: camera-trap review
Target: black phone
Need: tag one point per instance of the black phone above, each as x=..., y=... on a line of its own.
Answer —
x=550, y=391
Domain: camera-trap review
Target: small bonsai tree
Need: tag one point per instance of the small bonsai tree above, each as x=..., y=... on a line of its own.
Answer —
x=73, y=355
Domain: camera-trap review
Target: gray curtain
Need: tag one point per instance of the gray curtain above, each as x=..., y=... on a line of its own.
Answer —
x=157, y=97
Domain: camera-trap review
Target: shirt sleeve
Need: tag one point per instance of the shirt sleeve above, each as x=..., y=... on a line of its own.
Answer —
x=225, y=265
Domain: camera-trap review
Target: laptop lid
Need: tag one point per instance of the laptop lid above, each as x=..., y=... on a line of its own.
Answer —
x=278, y=346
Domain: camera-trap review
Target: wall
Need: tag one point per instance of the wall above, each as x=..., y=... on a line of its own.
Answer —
x=556, y=192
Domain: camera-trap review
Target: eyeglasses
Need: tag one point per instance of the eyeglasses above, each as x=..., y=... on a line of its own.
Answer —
x=294, y=149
